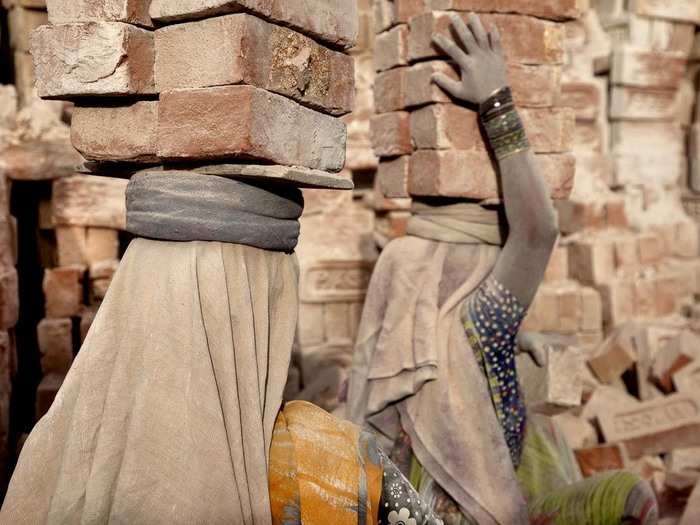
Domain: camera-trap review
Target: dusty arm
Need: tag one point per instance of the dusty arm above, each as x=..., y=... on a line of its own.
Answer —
x=531, y=218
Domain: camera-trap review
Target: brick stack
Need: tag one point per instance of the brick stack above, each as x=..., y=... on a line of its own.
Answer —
x=252, y=88
x=431, y=147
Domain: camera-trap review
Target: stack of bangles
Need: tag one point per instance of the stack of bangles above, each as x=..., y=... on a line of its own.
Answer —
x=503, y=126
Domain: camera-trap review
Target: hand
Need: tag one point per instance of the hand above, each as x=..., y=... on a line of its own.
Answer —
x=483, y=67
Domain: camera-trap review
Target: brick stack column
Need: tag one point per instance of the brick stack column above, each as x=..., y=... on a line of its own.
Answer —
x=253, y=88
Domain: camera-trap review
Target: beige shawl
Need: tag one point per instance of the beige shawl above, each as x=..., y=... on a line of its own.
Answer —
x=413, y=366
x=167, y=413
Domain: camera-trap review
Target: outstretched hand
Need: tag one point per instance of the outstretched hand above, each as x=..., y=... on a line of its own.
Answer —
x=482, y=66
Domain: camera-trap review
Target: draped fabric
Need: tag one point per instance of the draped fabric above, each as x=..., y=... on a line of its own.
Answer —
x=413, y=369
x=461, y=223
x=167, y=414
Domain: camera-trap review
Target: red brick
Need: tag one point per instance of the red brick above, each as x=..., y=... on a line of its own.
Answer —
x=447, y=126
x=665, y=294
x=384, y=14
x=333, y=21
x=391, y=134
x=687, y=239
x=9, y=298
x=591, y=310
x=128, y=11
x=391, y=48
x=393, y=224
x=90, y=200
x=569, y=311
x=634, y=103
x=247, y=122
x=633, y=138
x=552, y=9
x=584, y=97
x=125, y=133
x=243, y=49
x=604, y=458
x=616, y=214
x=558, y=267
x=526, y=40
x=101, y=274
x=648, y=169
x=93, y=59
x=645, y=297
x=392, y=177
x=650, y=249
x=618, y=301
x=642, y=68
x=470, y=174
x=407, y=9
x=63, y=291
x=101, y=244
x=681, y=10
x=626, y=252
x=71, y=245
x=614, y=359
x=56, y=345
x=592, y=261
x=576, y=215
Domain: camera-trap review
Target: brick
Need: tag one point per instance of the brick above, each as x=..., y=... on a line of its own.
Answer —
x=687, y=379
x=391, y=134
x=644, y=169
x=591, y=310
x=9, y=298
x=578, y=432
x=93, y=59
x=592, y=261
x=615, y=359
x=392, y=177
x=88, y=200
x=71, y=245
x=633, y=138
x=576, y=215
x=634, y=103
x=333, y=21
x=602, y=398
x=645, y=292
x=626, y=252
x=554, y=10
x=87, y=317
x=588, y=137
x=247, y=122
x=46, y=393
x=102, y=244
x=526, y=40
x=127, y=11
x=650, y=249
x=39, y=161
x=675, y=355
x=642, y=68
x=470, y=174
x=116, y=133
x=56, y=345
x=384, y=15
x=101, y=274
x=558, y=267
x=654, y=427
x=585, y=97
x=242, y=49
x=687, y=240
x=657, y=34
x=447, y=126
x=681, y=10
x=603, y=458
x=63, y=291
x=616, y=214
x=391, y=48
x=23, y=22
x=618, y=301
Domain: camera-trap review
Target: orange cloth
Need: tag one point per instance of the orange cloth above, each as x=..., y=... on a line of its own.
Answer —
x=322, y=469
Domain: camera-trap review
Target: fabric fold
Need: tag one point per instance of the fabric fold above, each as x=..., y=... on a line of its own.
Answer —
x=460, y=223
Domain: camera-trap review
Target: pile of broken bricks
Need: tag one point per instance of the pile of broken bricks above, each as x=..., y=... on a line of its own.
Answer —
x=250, y=89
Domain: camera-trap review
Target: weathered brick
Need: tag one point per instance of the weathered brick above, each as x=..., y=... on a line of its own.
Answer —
x=247, y=122
x=242, y=49
x=526, y=40
x=55, y=338
x=648, y=169
x=592, y=261
x=603, y=458
x=447, y=126
x=558, y=266
x=552, y=9
x=117, y=133
x=575, y=215
x=391, y=134
x=654, y=427
x=635, y=103
x=9, y=298
x=681, y=10
x=633, y=138
x=101, y=274
x=333, y=21
x=101, y=244
x=591, y=310
x=46, y=393
x=23, y=22
x=89, y=200
x=657, y=34
x=585, y=97
x=93, y=59
x=614, y=359
x=392, y=177
x=618, y=301
x=470, y=174
x=391, y=48
x=128, y=11
x=63, y=291
x=642, y=68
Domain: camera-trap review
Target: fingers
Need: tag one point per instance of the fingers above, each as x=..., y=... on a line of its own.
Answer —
x=474, y=23
x=464, y=34
x=495, y=38
x=452, y=49
x=451, y=86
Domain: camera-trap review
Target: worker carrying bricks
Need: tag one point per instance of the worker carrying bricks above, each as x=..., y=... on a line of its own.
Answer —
x=172, y=411
x=434, y=366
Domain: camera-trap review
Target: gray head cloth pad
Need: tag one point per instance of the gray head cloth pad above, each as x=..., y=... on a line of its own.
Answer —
x=183, y=206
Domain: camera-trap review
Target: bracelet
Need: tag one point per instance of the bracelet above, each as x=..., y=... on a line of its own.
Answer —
x=502, y=123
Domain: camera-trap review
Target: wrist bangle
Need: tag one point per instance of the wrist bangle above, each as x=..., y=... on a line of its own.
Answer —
x=503, y=126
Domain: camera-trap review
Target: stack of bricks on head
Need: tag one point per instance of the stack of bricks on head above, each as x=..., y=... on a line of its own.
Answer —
x=251, y=89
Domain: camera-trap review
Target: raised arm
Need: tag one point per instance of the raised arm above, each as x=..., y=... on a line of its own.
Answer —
x=531, y=218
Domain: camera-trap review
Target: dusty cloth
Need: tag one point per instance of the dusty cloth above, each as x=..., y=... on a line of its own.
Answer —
x=413, y=369
x=185, y=206
x=168, y=412
x=462, y=223
x=307, y=443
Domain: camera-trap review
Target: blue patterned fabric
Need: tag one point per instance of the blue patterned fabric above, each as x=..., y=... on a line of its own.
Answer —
x=492, y=318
